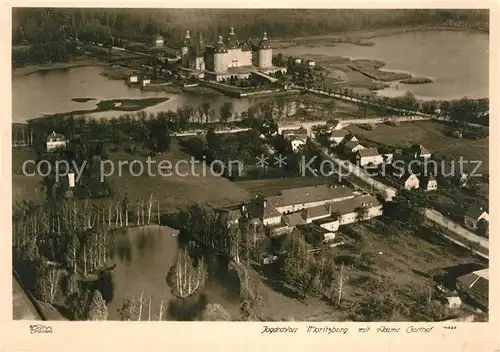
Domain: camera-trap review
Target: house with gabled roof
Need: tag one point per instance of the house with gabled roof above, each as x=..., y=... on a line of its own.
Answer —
x=297, y=141
x=352, y=147
x=55, y=141
x=420, y=152
x=473, y=216
x=301, y=131
x=333, y=125
x=362, y=207
x=407, y=180
x=337, y=136
x=428, y=183
x=350, y=138
x=368, y=156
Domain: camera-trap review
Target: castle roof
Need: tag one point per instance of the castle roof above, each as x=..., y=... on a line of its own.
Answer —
x=264, y=42
x=220, y=47
x=55, y=137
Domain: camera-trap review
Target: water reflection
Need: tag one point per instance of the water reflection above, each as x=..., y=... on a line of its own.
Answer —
x=143, y=258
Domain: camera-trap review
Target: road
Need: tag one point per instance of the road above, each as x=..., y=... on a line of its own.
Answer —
x=438, y=218
x=389, y=192
x=310, y=124
x=23, y=308
x=357, y=100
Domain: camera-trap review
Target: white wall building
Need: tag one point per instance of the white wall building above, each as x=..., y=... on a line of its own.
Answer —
x=55, y=141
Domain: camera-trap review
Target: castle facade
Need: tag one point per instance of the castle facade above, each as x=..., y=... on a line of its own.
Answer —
x=227, y=59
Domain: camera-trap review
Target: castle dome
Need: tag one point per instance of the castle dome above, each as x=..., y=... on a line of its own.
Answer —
x=220, y=47
x=265, y=43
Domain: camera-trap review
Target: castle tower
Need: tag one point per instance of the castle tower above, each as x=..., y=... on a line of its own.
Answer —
x=185, y=48
x=232, y=41
x=265, y=53
x=200, y=54
x=220, y=54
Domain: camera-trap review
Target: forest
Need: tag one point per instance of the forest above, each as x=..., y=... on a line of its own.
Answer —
x=142, y=24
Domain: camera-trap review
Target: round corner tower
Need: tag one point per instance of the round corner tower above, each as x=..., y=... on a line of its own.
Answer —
x=265, y=52
x=220, y=53
x=185, y=48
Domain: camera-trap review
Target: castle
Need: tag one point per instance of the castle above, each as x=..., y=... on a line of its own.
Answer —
x=227, y=60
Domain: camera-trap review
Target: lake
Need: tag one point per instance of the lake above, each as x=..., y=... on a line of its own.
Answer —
x=457, y=61
x=51, y=92
x=143, y=257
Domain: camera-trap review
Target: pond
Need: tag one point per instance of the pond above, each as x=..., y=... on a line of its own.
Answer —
x=143, y=257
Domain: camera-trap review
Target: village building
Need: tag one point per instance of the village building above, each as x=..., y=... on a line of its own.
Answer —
x=474, y=288
x=474, y=216
x=55, y=141
x=297, y=142
x=316, y=213
x=297, y=199
x=159, y=41
x=329, y=223
x=337, y=136
x=406, y=180
x=350, y=138
x=228, y=59
x=420, y=152
x=133, y=79
x=356, y=209
x=428, y=183
x=332, y=125
x=352, y=147
x=231, y=215
x=301, y=131
x=457, y=134
x=462, y=180
x=368, y=156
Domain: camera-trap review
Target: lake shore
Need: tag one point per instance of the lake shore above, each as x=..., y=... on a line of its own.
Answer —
x=121, y=105
x=30, y=69
x=360, y=37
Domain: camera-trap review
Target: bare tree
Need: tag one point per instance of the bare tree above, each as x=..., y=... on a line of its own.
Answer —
x=150, y=205
x=163, y=308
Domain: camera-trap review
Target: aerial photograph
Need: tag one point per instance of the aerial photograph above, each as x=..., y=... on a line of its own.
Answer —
x=307, y=165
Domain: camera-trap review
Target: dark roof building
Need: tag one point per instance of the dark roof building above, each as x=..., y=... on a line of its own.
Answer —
x=367, y=152
x=475, y=286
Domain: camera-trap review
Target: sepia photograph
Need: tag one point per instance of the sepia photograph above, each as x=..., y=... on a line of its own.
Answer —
x=250, y=165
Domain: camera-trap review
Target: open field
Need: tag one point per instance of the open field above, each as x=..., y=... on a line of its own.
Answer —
x=431, y=135
x=24, y=187
x=400, y=266
x=176, y=191
x=269, y=187
x=173, y=192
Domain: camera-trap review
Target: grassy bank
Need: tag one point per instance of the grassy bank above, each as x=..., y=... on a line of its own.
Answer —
x=416, y=80
x=128, y=105
x=372, y=69
x=29, y=69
